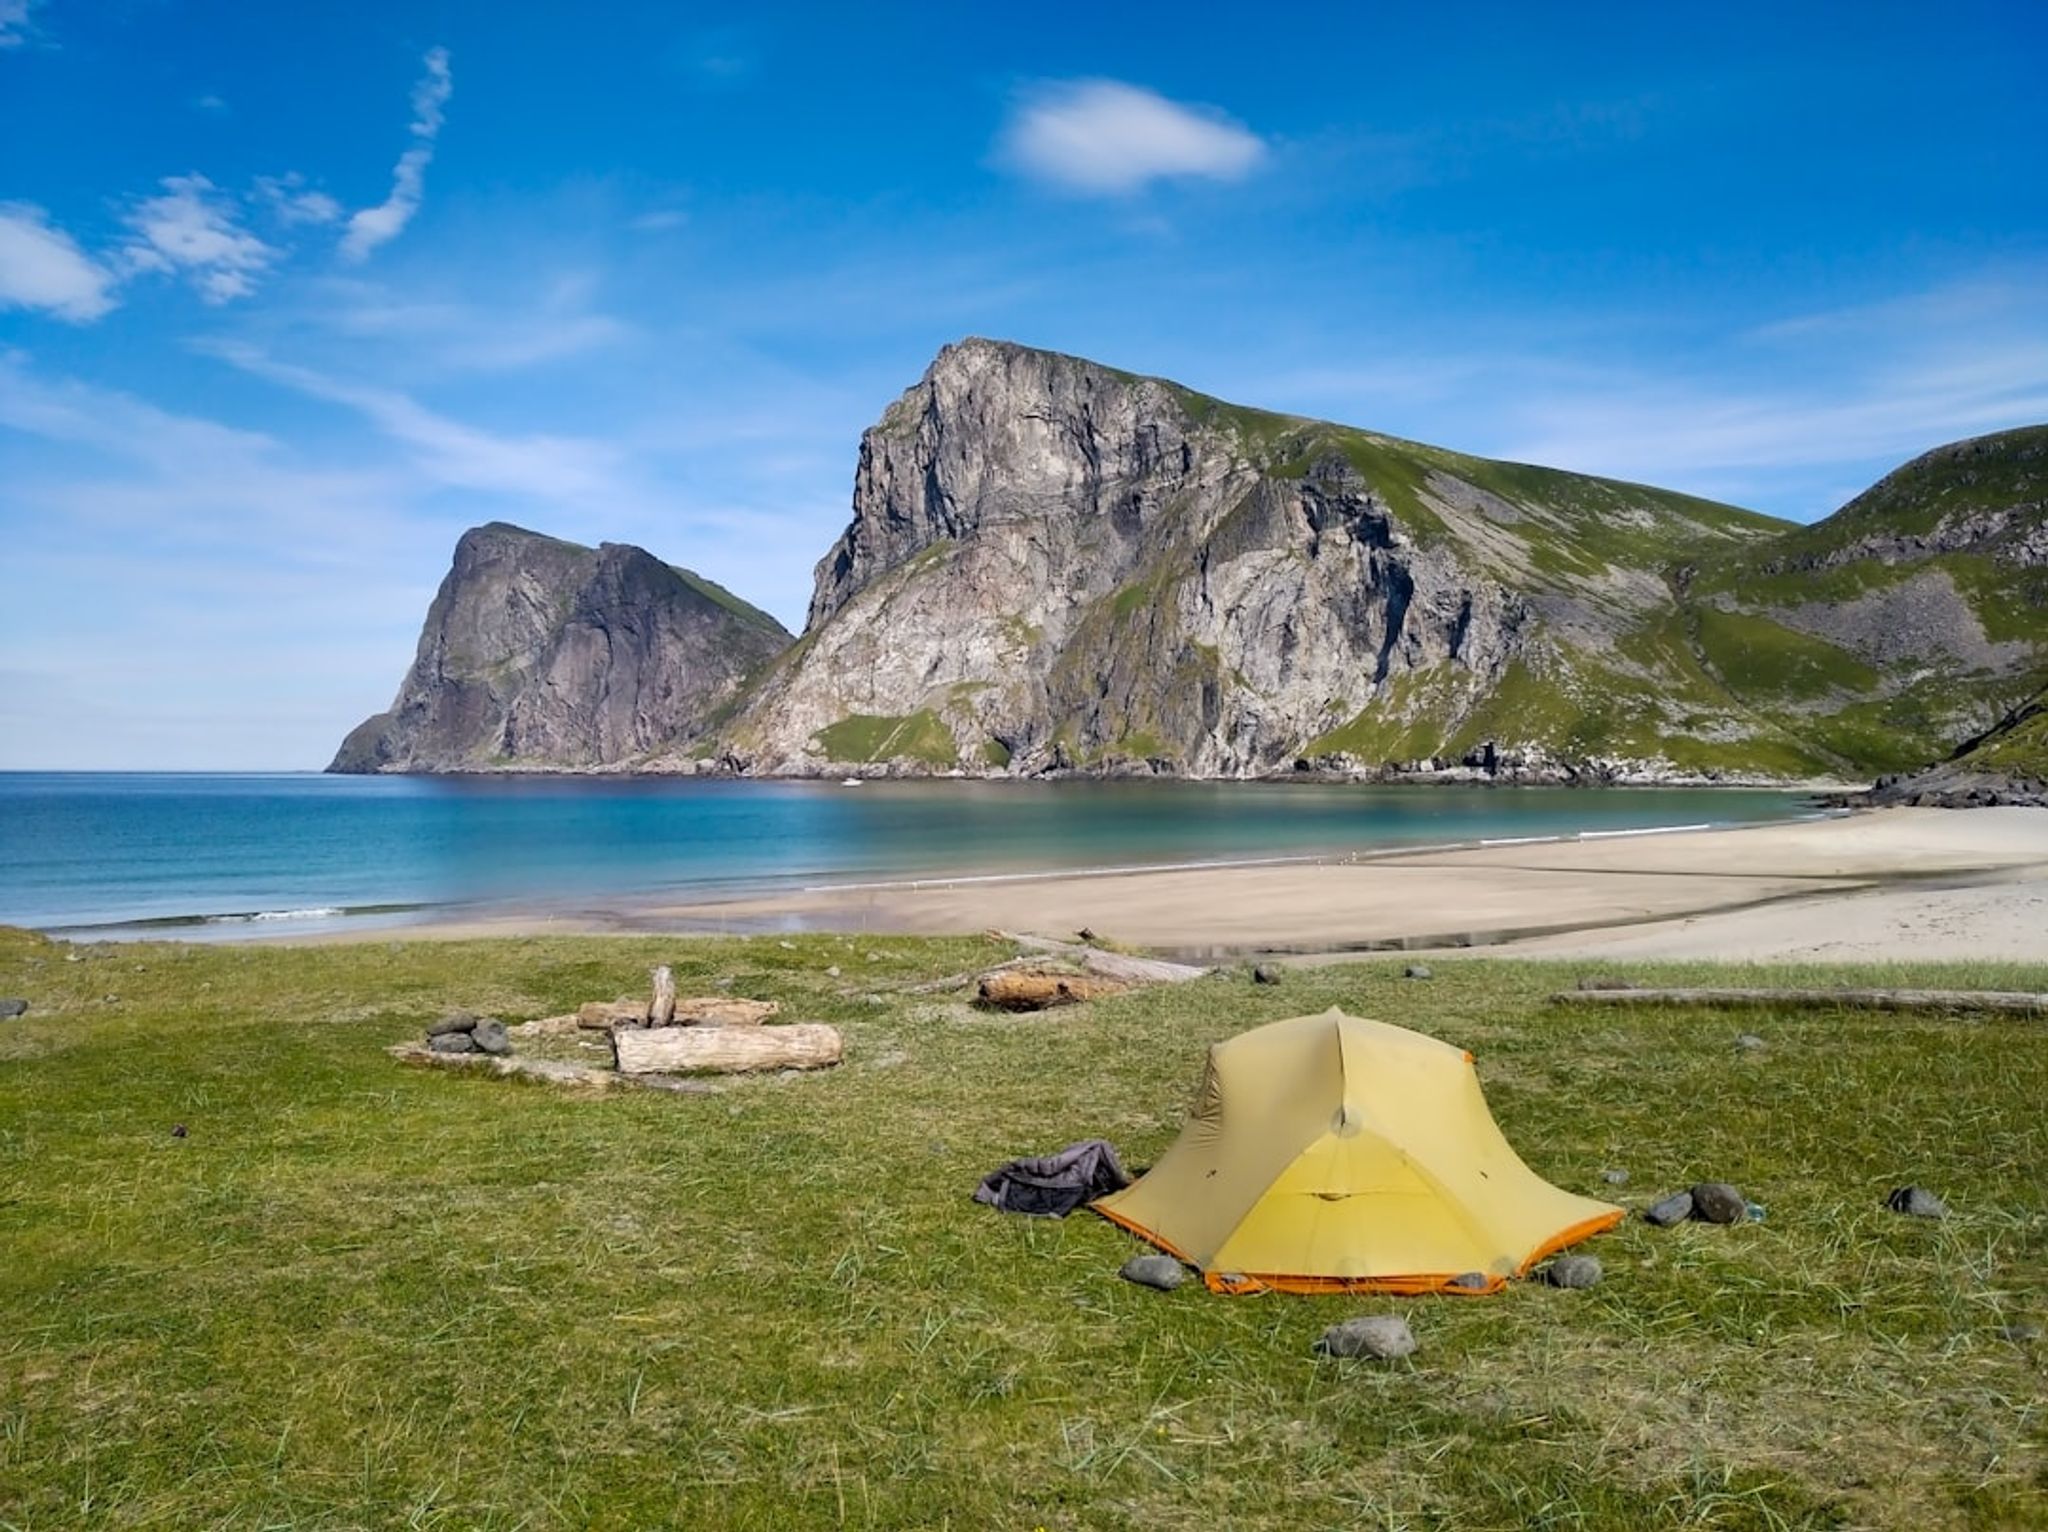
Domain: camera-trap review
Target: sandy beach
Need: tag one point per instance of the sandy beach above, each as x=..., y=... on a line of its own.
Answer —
x=1897, y=884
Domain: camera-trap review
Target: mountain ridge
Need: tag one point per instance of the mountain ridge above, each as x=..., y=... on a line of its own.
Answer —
x=1055, y=566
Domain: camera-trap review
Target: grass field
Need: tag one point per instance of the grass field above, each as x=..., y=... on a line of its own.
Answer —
x=358, y=1295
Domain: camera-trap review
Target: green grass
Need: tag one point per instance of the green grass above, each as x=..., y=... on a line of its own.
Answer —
x=865, y=738
x=1759, y=658
x=359, y=1295
x=719, y=596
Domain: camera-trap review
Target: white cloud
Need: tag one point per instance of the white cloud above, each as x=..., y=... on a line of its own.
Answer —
x=14, y=23
x=374, y=226
x=293, y=202
x=191, y=229
x=570, y=469
x=41, y=267
x=1106, y=138
x=440, y=335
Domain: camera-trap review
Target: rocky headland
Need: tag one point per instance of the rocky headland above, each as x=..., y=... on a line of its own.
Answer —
x=1056, y=567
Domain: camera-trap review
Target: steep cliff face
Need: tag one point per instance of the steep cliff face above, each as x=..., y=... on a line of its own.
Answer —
x=1056, y=566
x=542, y=654
x=1052, y=565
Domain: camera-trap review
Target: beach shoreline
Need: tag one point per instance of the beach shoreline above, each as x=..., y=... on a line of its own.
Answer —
x=1891, y=884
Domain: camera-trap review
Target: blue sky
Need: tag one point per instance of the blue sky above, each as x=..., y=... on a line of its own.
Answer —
x=292, y=294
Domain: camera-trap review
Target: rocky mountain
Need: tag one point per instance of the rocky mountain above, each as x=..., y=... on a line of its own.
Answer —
x=2008, y=763
x=540, y=654
x=1914, y=617
x=1055, y=566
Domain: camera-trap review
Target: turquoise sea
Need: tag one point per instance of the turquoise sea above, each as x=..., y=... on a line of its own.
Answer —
x=225, y=855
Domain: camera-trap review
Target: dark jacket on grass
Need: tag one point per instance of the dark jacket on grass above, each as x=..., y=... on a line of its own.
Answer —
x=1053, y=1185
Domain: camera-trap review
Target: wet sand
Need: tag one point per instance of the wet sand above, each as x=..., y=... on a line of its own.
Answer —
x=1896, y=884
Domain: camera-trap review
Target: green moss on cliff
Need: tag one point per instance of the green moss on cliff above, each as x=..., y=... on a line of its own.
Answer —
x=870, y=738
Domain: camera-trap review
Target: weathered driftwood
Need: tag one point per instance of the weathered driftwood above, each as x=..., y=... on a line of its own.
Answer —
x=545, y=1026
x=1995, y=1002
x=723, y=1011
x=1038, y=989
x=551, y=1071
x=599, y=1015
x=727, y=1050
x=1114, y=965
x=663, y=1010
x=962, y=980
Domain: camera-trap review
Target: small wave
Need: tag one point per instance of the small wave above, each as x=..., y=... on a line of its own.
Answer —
x=324, y=912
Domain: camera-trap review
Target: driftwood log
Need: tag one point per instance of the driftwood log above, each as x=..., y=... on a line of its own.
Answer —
x=601, y=1015
x=1112, y=965
x=727, y=1050
x=723, y=1011
x=546, y=1026
x=549, y=1071
x=1038, y=989
x=663, y=1010
x=1991, y=1002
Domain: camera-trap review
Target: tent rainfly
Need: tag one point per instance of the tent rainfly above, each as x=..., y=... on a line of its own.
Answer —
x=1332, y=1154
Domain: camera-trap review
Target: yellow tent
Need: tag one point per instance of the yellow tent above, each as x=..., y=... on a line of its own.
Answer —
x=1330, y=1154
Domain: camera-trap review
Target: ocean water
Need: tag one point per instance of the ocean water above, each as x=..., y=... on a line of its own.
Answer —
x=221, y=855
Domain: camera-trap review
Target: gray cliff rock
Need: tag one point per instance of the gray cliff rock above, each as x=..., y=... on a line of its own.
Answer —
x=540, y=654
x=1053, y=565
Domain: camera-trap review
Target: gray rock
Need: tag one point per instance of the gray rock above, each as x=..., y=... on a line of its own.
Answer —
x=1003, y=503
x=539, y=652
x=1472, y=1281
x=1160, y=1271
x=1718, y=1202
x=12, y=1008
x=490, y=1037
x=1417, y=971
x=454, y=1021
x=832, y=972
x=1382, y=1337
x=452, y=1042
x=1573, y=1271
x=1749, y=1042
x=1266, y=973
x=1614, y=1177
x=1916, y=1202
x=1675, y=1208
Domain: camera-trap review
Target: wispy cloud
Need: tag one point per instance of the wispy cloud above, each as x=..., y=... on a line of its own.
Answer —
x=375, y=226
x=1106, y=138
x=1832, y=391
x=538, y=466
x=191, y=228
x=292, y=201
x=438, y=335
x=14, y=22
x=42, y=267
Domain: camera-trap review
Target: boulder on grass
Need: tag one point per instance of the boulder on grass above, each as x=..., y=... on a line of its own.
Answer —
x=1718, y=1202
x=1573, y=1271
x=13, y=1008
x=452, y=1042
x=1675, y=1208
x=1383, y=1337
x=454, y=1021
x=1160, y=1271
x=490, y=1037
